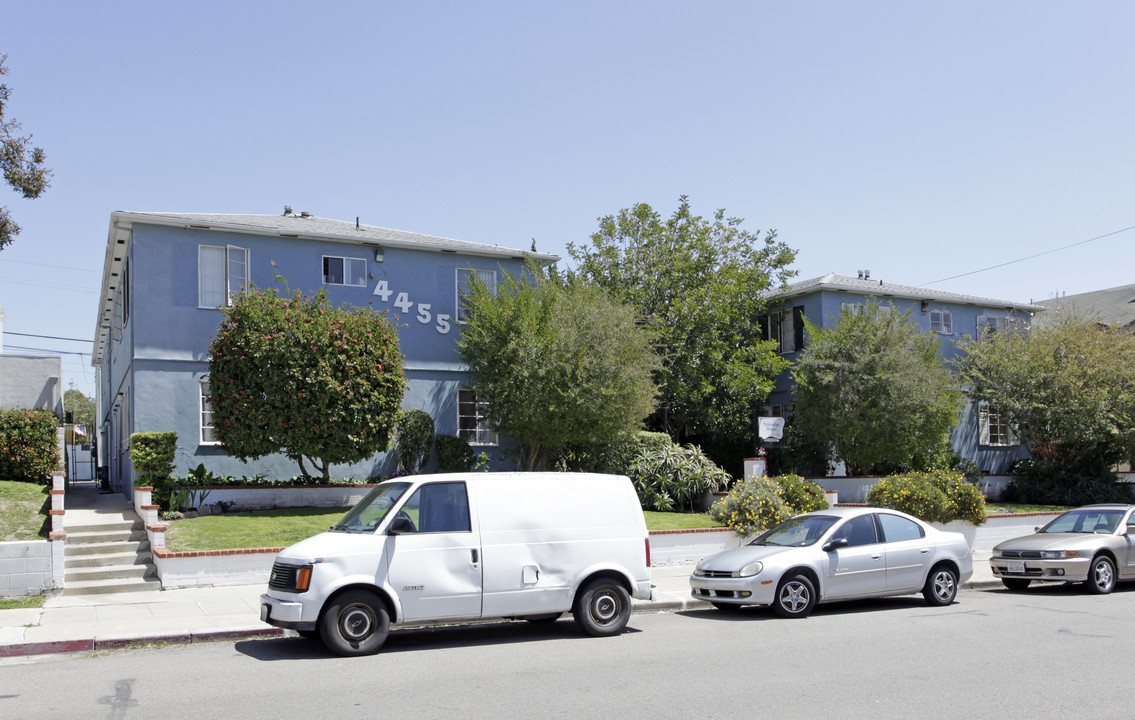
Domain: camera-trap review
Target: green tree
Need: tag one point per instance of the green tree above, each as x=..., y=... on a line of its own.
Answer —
x=415, y=439
x=871, y=391
x=1067, y=384
x=558, y=362
x=293, y=374
x=22, y=164
x=81, y=407
x=700, y=285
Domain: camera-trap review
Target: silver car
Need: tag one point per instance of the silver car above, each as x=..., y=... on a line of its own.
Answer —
x=1091, y=544
x=836, y=554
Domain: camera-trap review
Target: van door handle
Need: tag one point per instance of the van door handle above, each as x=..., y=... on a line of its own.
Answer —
x=475, y=554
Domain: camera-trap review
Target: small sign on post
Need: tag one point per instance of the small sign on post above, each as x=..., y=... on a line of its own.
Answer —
x=770, y=429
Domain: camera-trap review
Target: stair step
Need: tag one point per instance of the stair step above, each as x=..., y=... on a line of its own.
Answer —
x=127, y=525
x=131, y=556
x=105, y=548
x=100, y=587
x=82, y=537
x=105, y=572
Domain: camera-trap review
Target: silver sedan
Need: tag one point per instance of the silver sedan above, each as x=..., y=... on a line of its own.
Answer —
x=836, y=554
x=1091, y=544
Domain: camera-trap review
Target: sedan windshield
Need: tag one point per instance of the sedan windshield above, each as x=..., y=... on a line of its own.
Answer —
x=365, y=517
x=797, y=532
x=1086, y=520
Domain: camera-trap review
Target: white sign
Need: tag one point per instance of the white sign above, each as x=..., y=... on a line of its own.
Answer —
x=770, y=428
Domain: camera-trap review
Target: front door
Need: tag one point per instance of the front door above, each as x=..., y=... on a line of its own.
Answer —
x=860, y=567
x=435, y=570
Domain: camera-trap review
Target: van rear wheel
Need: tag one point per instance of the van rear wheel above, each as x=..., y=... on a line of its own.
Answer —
x=603, y=607
x=354, y=623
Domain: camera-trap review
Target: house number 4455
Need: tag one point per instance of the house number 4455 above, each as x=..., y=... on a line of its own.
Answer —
x=402, y=302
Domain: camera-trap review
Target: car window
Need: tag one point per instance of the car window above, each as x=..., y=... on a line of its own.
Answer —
x=438, y=507
x=897, y=528
x=1085, y=521
x=857, y=531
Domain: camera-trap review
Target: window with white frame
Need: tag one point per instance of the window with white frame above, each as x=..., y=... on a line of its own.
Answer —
x=996, y=431
x=344, y=271
x=464, y=282
x=205, y=413
x=222, y=273
x=860, y=308
x=990, y=324
x=942, y=322
x=472, y=424
x=785, y=328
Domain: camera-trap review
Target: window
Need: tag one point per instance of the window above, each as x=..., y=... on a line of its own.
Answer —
x=785, y=328
x=857, y=531
x=206, y=415
x=785, y=411
x=942, y=322
x=344, y=271
x=471, y=422
x=897, y=528
x=996, y=430
x=222, y=273
x=464, y=281
x=989, y=324
x=860, y=308
x=439, y=507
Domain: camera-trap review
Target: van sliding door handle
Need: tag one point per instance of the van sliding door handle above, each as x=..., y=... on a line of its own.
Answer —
x=475, y=554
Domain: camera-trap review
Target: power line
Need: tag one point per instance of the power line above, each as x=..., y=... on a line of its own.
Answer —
x=1030, y=257
x=48, y=337
x=46, y=350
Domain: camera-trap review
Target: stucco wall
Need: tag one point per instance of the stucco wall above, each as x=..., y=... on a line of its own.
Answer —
x=31, y=382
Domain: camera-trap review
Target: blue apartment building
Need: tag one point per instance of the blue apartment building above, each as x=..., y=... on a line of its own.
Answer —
x=982, y=434
x=166, y=277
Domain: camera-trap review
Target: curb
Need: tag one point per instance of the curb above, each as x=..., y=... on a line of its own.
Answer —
x=123, y=641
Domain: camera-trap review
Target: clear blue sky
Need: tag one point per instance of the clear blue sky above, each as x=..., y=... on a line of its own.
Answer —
x=918, y=140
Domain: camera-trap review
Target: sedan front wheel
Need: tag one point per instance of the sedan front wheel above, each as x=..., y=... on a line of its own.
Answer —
x=795, y=597
x=1101, y=577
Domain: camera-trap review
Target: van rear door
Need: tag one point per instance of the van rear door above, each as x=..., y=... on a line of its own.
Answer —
x=435, y=570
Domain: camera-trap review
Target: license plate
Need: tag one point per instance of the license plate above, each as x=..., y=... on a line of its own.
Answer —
x=264, y=613
x=1016, y=567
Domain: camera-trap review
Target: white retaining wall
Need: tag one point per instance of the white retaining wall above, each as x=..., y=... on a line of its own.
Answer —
x=32, y=567
x=268, y=498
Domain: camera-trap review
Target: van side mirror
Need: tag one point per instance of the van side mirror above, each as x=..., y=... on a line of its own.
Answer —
x=835, y=544
x=400, y=525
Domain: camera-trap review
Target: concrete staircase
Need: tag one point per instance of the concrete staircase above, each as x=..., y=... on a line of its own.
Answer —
x=107, y=553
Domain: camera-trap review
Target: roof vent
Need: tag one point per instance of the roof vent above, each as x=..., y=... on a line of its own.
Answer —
x=864, y=274
x=305, y=214
x=287, y=211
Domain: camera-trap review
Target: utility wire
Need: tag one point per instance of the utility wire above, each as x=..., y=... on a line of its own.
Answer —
x=47, y=337
x=1030, y=257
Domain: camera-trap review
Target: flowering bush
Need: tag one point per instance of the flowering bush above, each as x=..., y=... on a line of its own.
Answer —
x=801, y=495
x=934, y=496
x=28, y=447
x=755, y=503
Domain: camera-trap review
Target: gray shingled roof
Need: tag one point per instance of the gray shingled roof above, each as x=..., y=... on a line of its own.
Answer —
x=310, y=226
x=1113, y=306
x=831, y=281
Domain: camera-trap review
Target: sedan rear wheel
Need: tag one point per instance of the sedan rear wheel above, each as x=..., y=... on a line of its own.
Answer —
x=1101, y=576
x=941, y=586
x=795, y=597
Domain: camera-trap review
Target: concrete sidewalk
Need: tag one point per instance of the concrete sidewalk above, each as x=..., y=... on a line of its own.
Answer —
x=114, y=620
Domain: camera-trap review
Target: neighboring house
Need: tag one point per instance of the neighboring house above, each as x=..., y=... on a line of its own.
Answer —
x=982, y=434
x=30, y=382
x=167, y=276
x=1114, y=307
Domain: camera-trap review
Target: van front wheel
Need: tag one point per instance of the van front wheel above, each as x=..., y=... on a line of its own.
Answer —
x=355, y=623
x=603, y=607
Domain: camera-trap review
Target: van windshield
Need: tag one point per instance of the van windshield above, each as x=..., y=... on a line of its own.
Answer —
x=366, y=516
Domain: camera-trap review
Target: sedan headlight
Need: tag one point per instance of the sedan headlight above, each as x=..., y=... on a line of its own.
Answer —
x=1058, y=554
x=750, y=570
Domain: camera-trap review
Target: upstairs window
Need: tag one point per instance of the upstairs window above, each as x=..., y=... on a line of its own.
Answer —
x=472, y=423
x=996, y=431
x=989, y=324
x=785, y=328
x=464, y=282
x=222, y=274
x=942, y=322
x=344, y=271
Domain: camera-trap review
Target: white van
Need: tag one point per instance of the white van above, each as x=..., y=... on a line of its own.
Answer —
x=467, y=546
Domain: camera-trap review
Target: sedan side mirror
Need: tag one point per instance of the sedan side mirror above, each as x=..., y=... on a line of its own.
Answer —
x=400, y=525
x=1130, y=530
x=835, y=544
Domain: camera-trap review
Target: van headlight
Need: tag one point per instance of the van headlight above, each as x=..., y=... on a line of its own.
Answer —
x=750, y=570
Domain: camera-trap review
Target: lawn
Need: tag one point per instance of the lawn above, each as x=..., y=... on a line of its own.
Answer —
x=23, y=511
x=993, y=508
x=280, y=528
